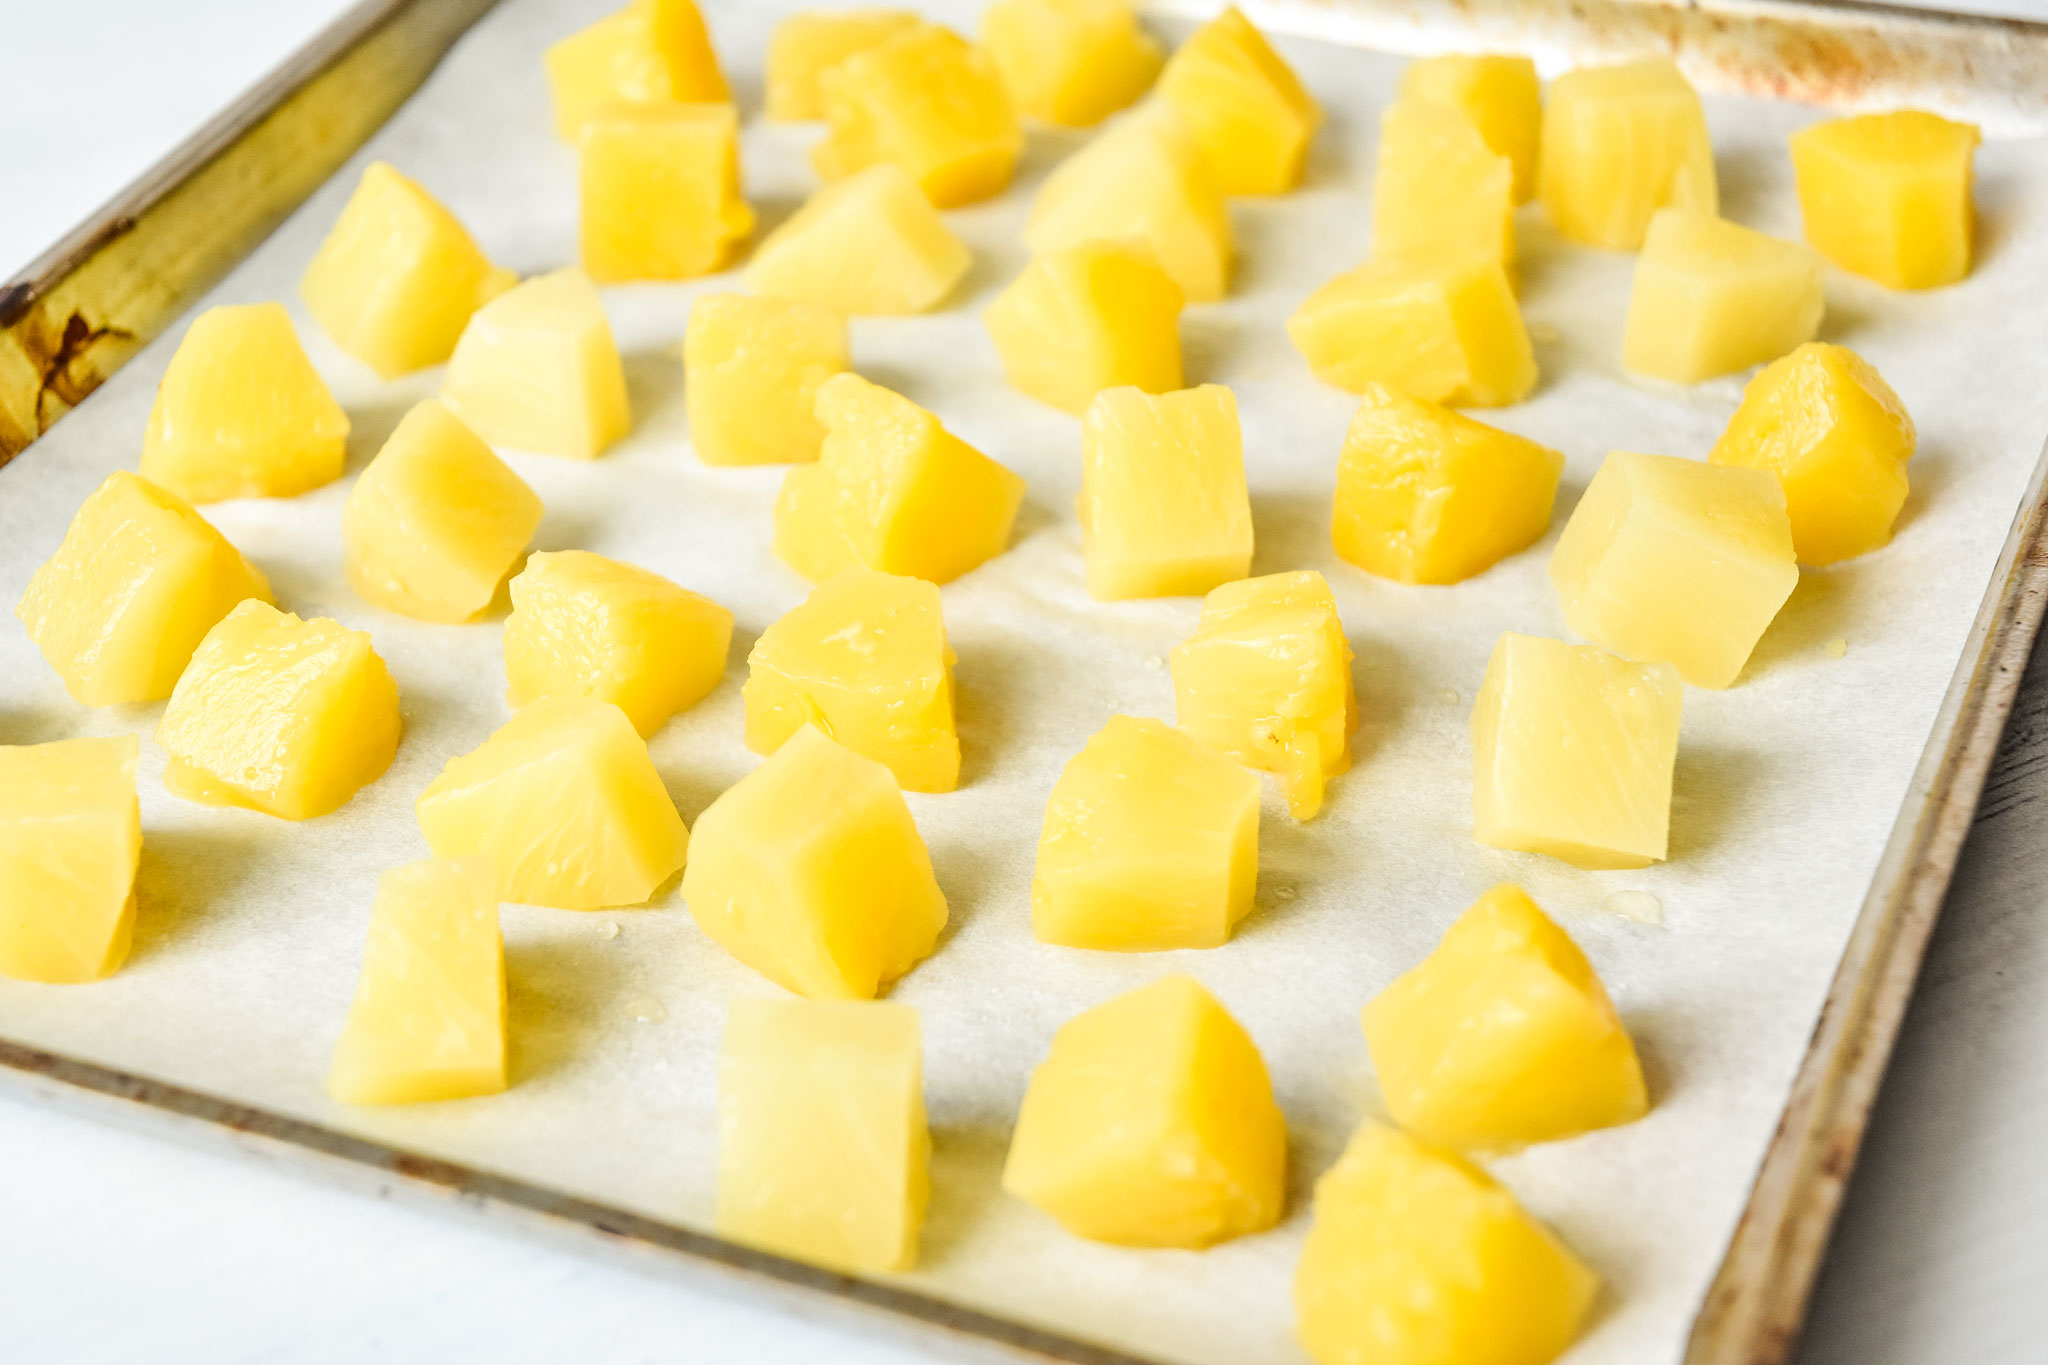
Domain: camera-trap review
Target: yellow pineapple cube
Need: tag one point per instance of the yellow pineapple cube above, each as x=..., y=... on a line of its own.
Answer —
x=1416, y=1257
x=137, y=582
x=70, y=838
x=1825, y=422
x=1151, y=1123
x=822, y=1145
x=1619, y=143
x=925, y=100
x=537, y=369
x=1677, y=561
x=436, y=520
x=1890, y=196
x=1438, y=191
x=1572, y=752
x=1164, y=509
x=651, y=52
x=398, y=276
x=810, y=870
x=1446, y=331
x=1425, y=495
x=1072, y=62
x=1246, y=106
x=1498, y=94
x=428, y=1018
x=752, y=367
x=807, y=45
x=865, y=659
x=241, y=413
x=891, y=490
x=871, y=243
x=1711, y=296
x=661, y=191
x=586, y=626
x=284, y=716
x=1503, y=1036
x=1266, y=679
x=1150, y=842
x=1087, y=318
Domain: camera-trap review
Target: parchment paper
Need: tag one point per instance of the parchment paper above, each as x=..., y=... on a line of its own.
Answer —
x=251, y=929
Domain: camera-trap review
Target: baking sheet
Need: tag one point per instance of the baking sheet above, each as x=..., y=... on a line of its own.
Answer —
x=250, y=931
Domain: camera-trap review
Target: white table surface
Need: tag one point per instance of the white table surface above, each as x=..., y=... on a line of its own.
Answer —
x=117, y=1246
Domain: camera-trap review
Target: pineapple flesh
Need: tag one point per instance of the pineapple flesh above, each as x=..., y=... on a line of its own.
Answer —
x=1085, y=318
x=651, y=52
x=70, y=838
x=1619, y=143
x=1070, y=62
x=1890, y=196
x=1445, y=331
x=1498, y=94
x=1711, y=297
x=752, y=367
x=805, y=46
x=660, y=191
x=1164, y=508
x=536, y=369
x=1249, y=111
x=871, y=243
x=1439, y=192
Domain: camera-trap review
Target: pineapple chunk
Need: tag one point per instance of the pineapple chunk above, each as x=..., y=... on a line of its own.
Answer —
x=1825, y=422
x=1164, y=510
x=752, y=367
x=586, y=626
x=1418, y=1258
x=1889, y=196
x=138, y=581
x=70, y=838
x=1446, y=331
x=398, y=276
x=651, y=52
x=1425, y=495
x=1711, y=296
x=428, y=1019
x=1072, y=62
x=870, y=243
x=537, y=369
x=1572, y=752
x=1677, y=561
x=566, y=802
x=1249, y=112
x=1439, y=193
x=925, y=100
x=1151, y=841
x=805, y=46
x=864, y=658
x=1087, y=318
x=1151, y=1123
x=810, y=870
x=661, y=191
x=892, y=490
x=436, y=521
x=1503, y=1036
x=241, y=413
x=1266, y=679
x=284, y=716
x=1498, y=94
x=1619, y=143
x=822, y=1145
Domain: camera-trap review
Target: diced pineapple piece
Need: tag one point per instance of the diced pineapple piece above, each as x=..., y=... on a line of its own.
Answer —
x=1425, y=495
x=537, y=369
x=810, y=870
x=137, y=582
x=892, y=490
x=1151, y=841
x=241, y=413
x=661, y=190
x=1164, y=509
x=436, y=520
x=1073, y=62
x=1246, y=106
x=651, y=52
x=1151, y=1123
x=871, y=243
x=1498, y=94
x=1503, y=1036
x=1439, y=192
x=70, y=837
x=865, y=659
x=586, y=626
x=1266, y=679
x=752, y=367
x=822, y=1145
x=1711, y=296
x=807, y=45
x=1087, y=318
x=284, y=716
x=398, y=276
x=1677, y=561
x=1572, y=753
x=1890, y=196
x=1447, y=331
x=1418, y=1258
x=925, y=100
x=1619, y=143
x=428, y=1018
x=1825, y=422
